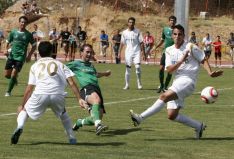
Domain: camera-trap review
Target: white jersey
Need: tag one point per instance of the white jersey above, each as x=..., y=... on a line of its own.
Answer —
x=49, y=76
x=207, y=43
x=132, y=39
x=191, y=66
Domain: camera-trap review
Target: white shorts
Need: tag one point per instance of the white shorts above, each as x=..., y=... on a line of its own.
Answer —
x=183, y=87
x=38, y=103
x=132, y=58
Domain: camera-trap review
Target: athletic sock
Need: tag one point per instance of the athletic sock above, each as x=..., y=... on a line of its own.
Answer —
x=138, y=75
x=95, y=114
x=127, y=75
x=85, y=121
x=168, y=79
x=155, y=108
x=21, y=119
x=11, y=84
x=161, y=78
x=188, y=121
x=67, y=124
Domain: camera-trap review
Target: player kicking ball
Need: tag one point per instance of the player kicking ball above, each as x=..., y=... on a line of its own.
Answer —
x=87, y=77
x=49, y=77
x=183, y=59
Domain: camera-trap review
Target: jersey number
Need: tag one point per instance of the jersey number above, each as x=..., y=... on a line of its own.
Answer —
x=51, y=69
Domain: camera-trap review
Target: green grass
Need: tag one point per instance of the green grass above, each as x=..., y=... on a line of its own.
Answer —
x=157, y=137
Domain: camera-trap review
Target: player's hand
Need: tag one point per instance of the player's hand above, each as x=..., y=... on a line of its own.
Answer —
x=108, y=73
x=19, y=109
x=216, y=73
x=83, y=104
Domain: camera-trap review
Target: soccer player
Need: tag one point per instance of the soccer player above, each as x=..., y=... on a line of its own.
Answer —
x=87, y=77
x=49, y=77
x=168, y=41
x=18, y=40
x=183, y=60
x=133, y=40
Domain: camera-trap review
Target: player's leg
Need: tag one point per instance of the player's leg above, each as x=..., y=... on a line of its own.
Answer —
x=128, y=62
x=161, y=73
x=137, y=62
x=167, y=82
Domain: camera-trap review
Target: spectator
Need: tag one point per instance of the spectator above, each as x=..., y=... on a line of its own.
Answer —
x=81, y=37
x=104, y=44
x=148, y=45
x=217, y=45
x=230, y=43
x=193, y=39
x=73, y=45
x=1, y=39
x=65, y=42
x=54, y=36
x=206, y=42
x=116, y=43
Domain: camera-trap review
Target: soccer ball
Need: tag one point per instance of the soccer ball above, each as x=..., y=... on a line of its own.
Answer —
x=209, y=95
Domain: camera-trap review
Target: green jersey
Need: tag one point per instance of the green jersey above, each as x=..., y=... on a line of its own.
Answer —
x=19, y=44
x=85, y=73
x=167, y=37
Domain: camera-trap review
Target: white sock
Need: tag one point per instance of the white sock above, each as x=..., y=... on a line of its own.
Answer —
x=127, y=75
x=21, y=119
x=138, y=74
x=67, y=124
x=188, y=121
x=97, y=122
x=156, y=107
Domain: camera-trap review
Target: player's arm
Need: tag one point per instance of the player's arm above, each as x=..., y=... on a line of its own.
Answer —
x=143, y=50
x=75, y=89
x=27, y=94
x=101, y=74
x=211, y=73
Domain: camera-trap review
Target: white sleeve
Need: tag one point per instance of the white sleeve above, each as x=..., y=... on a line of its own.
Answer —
x=168, y=60
x=197, y=53
x=32, y=77
x=68, y=73
x=123, y=39
x=140, y=37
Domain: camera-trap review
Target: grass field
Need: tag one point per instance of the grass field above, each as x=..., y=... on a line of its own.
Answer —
x=157, y=137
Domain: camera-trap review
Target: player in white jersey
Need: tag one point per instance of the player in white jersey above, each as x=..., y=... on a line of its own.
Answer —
x=49, y=77
x=183, y=59
x=133, y=40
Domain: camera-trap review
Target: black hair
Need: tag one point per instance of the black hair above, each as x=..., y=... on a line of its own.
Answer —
x=85, y=45
x=23, y=17
x=179, y=27
x=172, y=17
x=131, y=18
x=45, y=49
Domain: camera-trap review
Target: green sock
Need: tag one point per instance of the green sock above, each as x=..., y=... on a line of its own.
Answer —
x=85, y=121
x=95, y=113
x=168, y=79
x=161, y=78
x=11, y=84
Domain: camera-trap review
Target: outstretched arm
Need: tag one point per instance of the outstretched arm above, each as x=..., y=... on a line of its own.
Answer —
x=101, y=74
x=75, y=90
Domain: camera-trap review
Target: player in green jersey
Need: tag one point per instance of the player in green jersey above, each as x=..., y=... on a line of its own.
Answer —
x=18, y=40
x=168, y=41
x=87, y=77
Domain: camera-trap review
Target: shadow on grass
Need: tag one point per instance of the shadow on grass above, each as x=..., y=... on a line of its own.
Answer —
x=79, y=143
x=202, y=139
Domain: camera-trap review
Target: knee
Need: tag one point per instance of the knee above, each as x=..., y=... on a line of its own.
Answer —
x=171, y=116
x=96, y=98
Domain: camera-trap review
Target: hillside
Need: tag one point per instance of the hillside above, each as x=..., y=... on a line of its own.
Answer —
x=94, y=16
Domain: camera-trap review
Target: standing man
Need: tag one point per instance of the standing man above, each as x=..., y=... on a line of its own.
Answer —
x=207, y=43
x=148, y=45
x=116, y=43
x=230, y=43
x=18, y=40
x=37, y=35
x=65, y=41
x=104, y=44
x=49, y=77
x=87, y=77
x=54, y=37
x=1, y=39
x=81, y=37
x=133, y=40
x=183, y=59
x=218, y=46
x=168, y=41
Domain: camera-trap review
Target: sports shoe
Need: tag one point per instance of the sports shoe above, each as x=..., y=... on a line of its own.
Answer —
x=100, y=128
x=126, y=87
x=75, y=126
x=160, y=90
x=7, y=94
x=136, y=119
x=16, y=135
x=72, y=141
x=200, y=131
x=139, y=87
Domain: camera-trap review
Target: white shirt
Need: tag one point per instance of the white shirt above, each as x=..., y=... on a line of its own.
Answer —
x=132, y=39
x=191, y=66
x=207, y=43
x=49, y=76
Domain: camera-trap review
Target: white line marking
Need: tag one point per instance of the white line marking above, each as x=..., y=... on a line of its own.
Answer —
x=126, y=101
